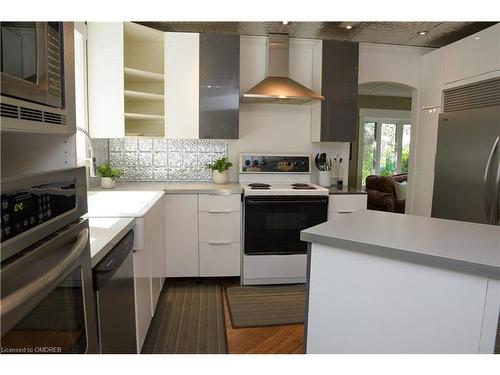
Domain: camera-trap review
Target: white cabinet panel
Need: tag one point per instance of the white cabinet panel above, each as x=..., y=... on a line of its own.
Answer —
x=431, y=79
x=347, y=202
x=484, y=50
x=472, y=56
x=182, y=85
x=219, y=203
x=181, y=235
x=105, y=79
x=154, y=243
x=220, y=227
x=220, y=260
x=142, y=289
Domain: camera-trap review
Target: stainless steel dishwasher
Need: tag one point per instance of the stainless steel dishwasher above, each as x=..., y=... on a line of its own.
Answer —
x=114, y=285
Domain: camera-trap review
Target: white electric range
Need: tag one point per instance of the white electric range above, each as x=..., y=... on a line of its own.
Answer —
x=279, y=202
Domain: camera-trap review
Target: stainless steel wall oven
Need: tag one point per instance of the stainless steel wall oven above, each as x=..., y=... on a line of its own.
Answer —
x=47, y=300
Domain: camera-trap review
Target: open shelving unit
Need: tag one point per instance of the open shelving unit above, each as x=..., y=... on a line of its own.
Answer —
x=144, y=81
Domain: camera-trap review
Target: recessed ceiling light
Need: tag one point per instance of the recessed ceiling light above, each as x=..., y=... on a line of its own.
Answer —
x=477, y=38
x=285, y=22
x=422, y=32
x=348, y=27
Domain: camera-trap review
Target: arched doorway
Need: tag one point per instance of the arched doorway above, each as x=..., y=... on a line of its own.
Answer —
x=384, y=130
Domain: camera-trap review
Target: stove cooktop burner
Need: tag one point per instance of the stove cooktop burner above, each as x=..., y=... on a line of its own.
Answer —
x=259, y=185
x=303, y=187
x=260, y=188
x=300, y=184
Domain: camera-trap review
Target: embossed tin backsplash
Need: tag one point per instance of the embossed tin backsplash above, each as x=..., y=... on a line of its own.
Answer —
x=144, y=159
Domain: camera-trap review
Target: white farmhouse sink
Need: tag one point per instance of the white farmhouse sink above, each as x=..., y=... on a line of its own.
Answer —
x=121, y=203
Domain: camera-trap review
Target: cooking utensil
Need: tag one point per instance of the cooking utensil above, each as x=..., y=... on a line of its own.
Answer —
x=322, y=160
x=317, y=162
x=328, y=163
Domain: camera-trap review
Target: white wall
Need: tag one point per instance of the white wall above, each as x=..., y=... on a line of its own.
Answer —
x=388, y=63
x=287, y=128
x=277, y=127
x=400, y=64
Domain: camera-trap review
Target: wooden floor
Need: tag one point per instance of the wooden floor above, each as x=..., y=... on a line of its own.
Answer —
x=286, y=339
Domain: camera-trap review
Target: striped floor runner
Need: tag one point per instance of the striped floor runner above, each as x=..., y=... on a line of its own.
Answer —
x=189, y=319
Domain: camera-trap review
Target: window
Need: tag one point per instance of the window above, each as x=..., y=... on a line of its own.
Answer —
x=385, y=149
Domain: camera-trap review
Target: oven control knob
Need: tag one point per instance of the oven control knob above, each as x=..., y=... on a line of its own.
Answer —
x=263, y=162
x=256, y=162
x=247, y=162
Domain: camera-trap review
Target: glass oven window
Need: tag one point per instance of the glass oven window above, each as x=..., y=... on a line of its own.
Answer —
x=273, y=225
x=56, y=325
x=19, y=50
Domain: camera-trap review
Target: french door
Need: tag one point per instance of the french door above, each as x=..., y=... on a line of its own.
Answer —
x=384, y=147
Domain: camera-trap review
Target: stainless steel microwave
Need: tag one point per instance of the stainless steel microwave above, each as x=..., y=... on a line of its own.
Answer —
x=31, y=61
x=37, y=75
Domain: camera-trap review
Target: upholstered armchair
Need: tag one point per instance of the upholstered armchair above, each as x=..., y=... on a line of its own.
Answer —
x=382, y=193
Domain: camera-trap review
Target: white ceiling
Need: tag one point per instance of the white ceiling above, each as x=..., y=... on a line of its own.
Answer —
x=399, y=33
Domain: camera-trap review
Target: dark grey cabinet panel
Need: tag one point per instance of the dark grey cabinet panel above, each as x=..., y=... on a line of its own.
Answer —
x=339, y=110
x=219, y=86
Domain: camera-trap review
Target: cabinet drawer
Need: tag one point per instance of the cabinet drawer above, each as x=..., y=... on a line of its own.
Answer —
x=216, y=227
x=220, y=259
x=219, y=203
x=347, y=202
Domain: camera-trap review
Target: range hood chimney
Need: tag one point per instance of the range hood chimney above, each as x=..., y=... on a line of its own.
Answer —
x=277, y=87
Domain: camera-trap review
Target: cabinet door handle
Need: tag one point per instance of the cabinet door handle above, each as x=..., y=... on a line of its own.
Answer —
x=345, y=212
x=219, y=211
x=212, y=243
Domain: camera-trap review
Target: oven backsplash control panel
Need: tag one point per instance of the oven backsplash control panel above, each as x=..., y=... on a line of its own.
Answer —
x=274, y=164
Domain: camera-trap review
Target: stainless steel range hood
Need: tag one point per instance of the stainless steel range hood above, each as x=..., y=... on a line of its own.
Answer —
x=277, y=87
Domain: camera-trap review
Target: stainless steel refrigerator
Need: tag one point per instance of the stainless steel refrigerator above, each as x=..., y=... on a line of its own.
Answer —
x=467, y=168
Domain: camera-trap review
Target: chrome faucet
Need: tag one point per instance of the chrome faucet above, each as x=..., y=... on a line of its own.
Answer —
x=92, y=165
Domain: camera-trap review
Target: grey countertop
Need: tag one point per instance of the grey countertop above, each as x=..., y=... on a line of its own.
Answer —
x=345, y=190
x=459, y=246
x=178, y=187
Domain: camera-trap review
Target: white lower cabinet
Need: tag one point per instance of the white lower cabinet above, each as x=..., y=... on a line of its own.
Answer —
x=202, y=235
x=181, y=235
x=142, y=289
x=223, y=227
x=220, y=259
x=339, y=204
x=149, y=270
x=154, y=242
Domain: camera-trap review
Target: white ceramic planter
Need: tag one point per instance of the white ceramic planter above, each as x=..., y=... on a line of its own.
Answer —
x=108, y=183
x=221, y=178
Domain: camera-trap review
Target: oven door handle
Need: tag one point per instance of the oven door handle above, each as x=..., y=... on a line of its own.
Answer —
x=16, y=299
x=262, y=202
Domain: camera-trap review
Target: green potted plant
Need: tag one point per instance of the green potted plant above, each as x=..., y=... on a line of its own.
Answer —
x=108, y=175
x=220, y=169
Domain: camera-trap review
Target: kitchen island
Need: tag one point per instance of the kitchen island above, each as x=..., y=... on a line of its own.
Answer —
x=390, y=283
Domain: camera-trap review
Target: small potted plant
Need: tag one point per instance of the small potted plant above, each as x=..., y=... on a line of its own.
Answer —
x=108, y=175
x=219, y=170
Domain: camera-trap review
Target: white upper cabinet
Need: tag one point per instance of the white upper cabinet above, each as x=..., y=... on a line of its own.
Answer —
x=105, y=79
x=472, y=56
x=125, y=80
x=431, y=79
x=182, y=84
